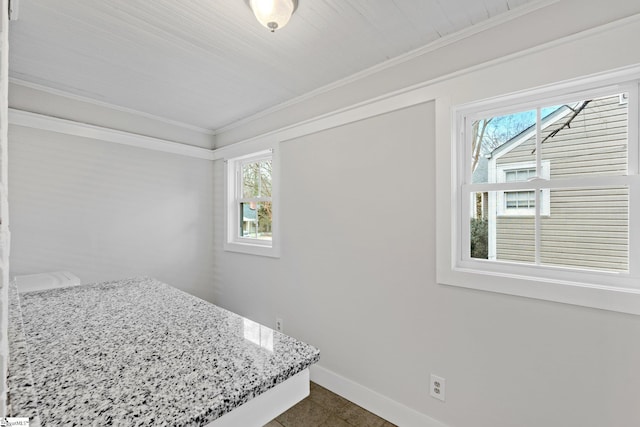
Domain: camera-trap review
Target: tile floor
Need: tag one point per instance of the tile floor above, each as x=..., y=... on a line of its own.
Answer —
x=323, y=408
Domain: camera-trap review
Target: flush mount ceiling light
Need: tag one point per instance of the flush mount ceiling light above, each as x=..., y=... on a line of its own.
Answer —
x=273, y=14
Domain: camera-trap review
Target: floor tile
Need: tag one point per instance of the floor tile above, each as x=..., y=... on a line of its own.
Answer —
x=334, y=421
x=328, y=400
x=322, y=408
x=305, y=414
x=359, y=417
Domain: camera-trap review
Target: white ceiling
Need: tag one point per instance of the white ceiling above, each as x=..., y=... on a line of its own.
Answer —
x=209, y=63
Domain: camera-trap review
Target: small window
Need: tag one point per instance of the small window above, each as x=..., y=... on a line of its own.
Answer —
x=519, y=200
x=255, y=205
x=250, y=204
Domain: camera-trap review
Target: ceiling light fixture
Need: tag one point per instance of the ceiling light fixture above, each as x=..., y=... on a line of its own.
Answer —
x=273, y=14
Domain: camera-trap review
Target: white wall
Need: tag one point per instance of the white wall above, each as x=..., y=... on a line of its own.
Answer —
x=357, y=272
x=109, y=211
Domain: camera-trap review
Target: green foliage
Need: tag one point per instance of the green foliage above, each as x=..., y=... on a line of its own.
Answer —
x=479, y=238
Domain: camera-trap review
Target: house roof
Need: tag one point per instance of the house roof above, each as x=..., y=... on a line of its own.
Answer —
x=481, y=174
x=548, y=120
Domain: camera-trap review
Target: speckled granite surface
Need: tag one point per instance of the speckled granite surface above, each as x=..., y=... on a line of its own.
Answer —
x=139, y=352
x=19, y=379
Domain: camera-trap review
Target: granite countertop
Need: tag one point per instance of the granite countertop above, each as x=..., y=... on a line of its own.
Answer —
x=139, y=352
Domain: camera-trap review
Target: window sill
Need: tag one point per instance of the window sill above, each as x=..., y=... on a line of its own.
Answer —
x=252, y=249
x=601, y=296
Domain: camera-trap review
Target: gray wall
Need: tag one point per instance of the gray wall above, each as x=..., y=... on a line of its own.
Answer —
x=108, y=211
x=357, y=279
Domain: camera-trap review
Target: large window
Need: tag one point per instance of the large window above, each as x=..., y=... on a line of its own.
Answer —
x=250, y=204
x=549, y=190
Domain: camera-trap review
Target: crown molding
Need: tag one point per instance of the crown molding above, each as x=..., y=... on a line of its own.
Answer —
x=69, y=127
x=58, y=92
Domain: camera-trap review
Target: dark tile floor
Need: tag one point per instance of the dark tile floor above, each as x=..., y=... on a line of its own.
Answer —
x=323, y=408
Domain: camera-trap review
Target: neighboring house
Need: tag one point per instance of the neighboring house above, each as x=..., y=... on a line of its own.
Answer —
x=249, y=219
x=585, y=138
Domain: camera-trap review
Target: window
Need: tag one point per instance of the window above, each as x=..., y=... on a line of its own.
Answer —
x=255, y=198
x=523, y=202
x=559, y=169
x=250, y=204
x=519, y=200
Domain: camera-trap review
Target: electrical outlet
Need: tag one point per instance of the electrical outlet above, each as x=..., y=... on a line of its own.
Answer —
x=279, y=325
x=437, y=387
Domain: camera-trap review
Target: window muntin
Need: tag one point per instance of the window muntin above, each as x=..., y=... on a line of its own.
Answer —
x=562, y=227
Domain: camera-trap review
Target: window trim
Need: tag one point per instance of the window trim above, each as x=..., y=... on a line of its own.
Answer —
x=604, y=290
x=233, y=242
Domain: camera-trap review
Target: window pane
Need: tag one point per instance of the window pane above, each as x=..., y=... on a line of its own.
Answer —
x=256, y=179
x=498, y=237
x=587, y=228
x=493, y=135
x=587, y=137
x=255, y=220
x=514, y=238
x=479, y=232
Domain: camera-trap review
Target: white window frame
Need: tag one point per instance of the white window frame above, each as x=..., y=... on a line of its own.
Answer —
x=233, y=241
x=617, y=291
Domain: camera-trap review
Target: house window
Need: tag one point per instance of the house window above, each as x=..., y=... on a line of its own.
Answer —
x=560, y=172
x=519, y=175
x=250, y=204
x=521, y=202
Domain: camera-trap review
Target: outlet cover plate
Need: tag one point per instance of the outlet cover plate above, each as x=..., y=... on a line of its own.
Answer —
x=437, y=387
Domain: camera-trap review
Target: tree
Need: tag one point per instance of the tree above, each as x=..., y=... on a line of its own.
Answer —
x=256, y=184
x=478, y=129
x=489, y=134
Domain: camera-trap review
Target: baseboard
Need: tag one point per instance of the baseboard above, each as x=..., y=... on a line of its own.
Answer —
x=372, y=401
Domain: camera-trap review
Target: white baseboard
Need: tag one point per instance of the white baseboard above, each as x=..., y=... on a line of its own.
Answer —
x=372, y=401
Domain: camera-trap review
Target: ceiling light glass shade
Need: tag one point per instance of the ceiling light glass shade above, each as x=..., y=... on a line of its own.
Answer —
x=273, y=14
